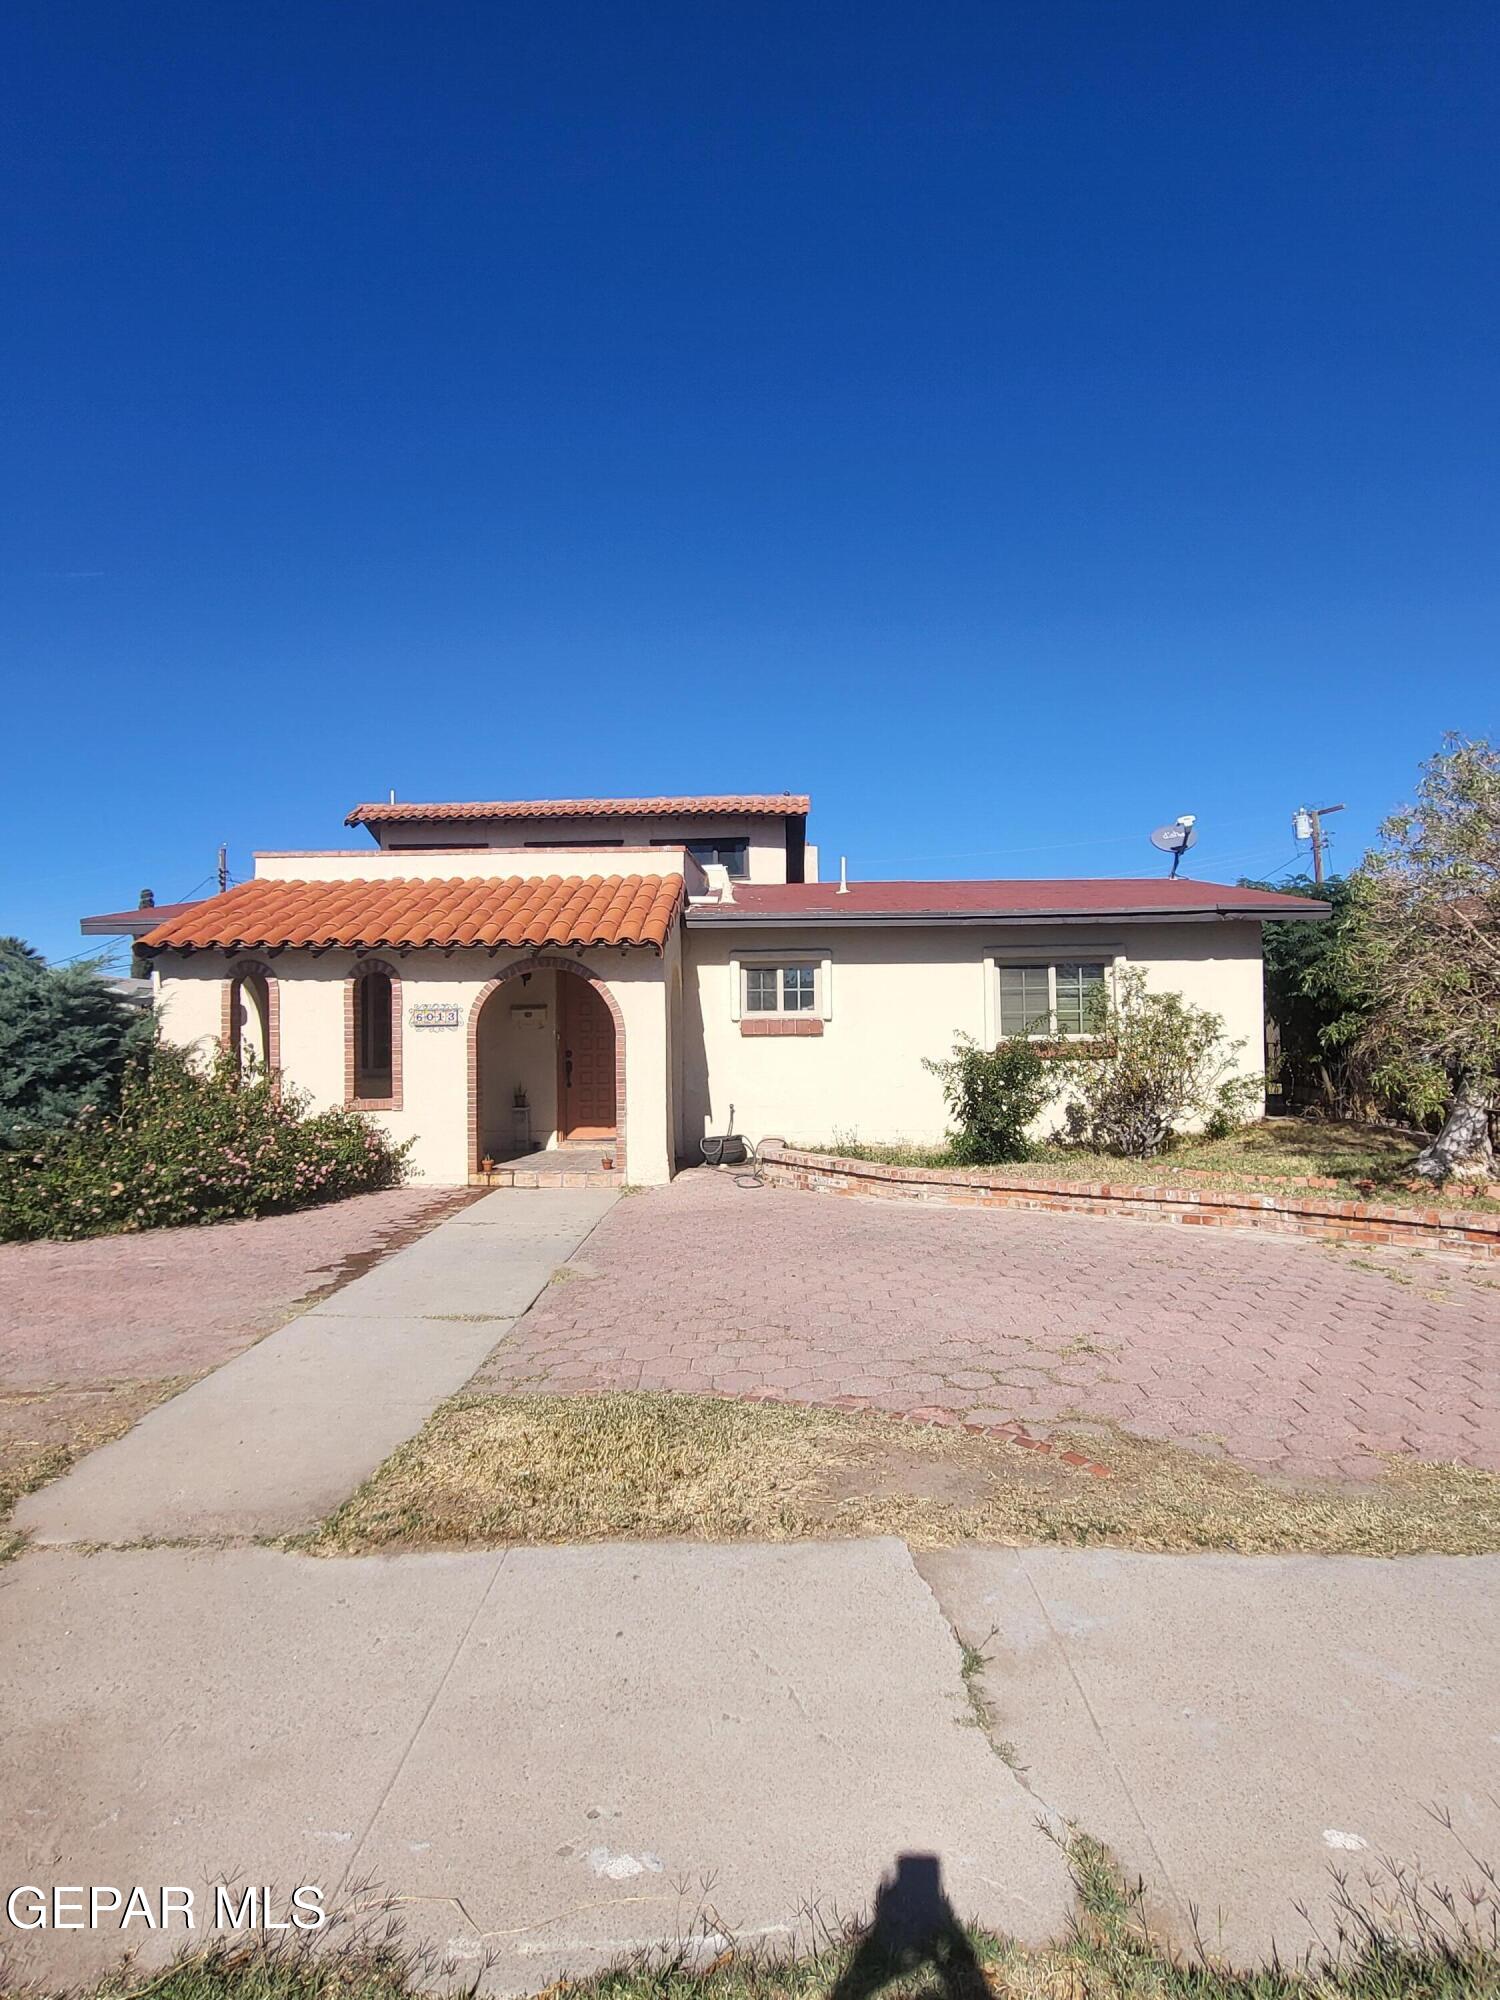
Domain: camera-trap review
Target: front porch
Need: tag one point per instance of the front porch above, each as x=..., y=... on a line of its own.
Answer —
x=563, y=1166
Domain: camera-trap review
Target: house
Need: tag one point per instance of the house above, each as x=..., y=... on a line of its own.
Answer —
x=602, y=980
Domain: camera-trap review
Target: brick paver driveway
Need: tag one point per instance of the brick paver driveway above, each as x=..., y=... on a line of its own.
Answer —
x=1291, y=1356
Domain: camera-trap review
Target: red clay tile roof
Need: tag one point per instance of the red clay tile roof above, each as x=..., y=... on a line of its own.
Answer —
x=394, y=914
x=975, y=902
x=752, y=804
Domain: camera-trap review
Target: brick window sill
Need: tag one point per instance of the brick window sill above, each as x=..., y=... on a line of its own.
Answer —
x=781, y=1024
x=373, y=1103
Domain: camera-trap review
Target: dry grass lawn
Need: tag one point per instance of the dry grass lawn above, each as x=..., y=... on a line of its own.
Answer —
x=534, y=1469
x=43, y=1431
x=1365, y=1163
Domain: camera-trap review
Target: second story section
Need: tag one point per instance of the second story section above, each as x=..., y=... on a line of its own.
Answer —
x=755, y=837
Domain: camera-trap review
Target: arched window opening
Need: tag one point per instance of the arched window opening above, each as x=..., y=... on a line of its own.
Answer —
x=250, y=1022
x=372, y=1035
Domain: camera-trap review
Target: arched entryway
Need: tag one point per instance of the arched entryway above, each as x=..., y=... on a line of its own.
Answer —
x=250, y=1028
x=546, y=1064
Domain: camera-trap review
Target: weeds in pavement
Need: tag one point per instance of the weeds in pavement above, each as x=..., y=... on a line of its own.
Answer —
x=1399, y=1937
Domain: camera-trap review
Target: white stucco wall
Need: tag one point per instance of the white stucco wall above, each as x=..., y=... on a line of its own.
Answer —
x=369, y=864
x=889, y=998
x=893, y=997
x=765, y=860
x=434, y=1110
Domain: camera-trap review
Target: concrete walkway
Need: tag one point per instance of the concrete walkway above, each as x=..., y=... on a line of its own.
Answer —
x=274, y=1440
x=559, y=1756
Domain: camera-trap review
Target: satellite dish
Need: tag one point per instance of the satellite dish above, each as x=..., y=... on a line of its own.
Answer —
x=1177, y=838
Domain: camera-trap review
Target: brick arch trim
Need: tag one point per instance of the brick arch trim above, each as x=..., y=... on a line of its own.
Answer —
x=351, y=1051
x=548, y=962
x=242, y=968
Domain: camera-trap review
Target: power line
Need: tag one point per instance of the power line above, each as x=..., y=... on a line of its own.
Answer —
x=1050, y=847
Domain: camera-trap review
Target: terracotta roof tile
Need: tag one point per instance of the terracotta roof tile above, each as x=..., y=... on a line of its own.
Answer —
x=488, y=911
x=769, y=804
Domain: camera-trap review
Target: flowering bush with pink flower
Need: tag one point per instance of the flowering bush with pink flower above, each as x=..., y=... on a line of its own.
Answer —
x=189, y=1144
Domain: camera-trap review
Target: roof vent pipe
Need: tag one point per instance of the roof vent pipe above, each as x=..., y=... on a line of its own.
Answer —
x=843, y=875
x=393, y=794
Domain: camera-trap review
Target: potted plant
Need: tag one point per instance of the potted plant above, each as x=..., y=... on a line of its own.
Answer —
x=520, y=1119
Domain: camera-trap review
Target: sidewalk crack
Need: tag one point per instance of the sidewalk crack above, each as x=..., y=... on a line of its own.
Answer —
x=1105, y=1748
x=422, y=1721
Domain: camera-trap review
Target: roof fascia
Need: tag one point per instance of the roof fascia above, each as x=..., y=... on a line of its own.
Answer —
x=700, y=914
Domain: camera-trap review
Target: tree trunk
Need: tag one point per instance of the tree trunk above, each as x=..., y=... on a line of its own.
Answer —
x=1462, y=1150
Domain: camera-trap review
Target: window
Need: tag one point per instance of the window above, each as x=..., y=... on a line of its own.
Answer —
x=372, y=1035
x=1080, y=995
x=250, y=1014
x=780, y=989
x=731, y=854
x=1060, y=999
x=1025, y=999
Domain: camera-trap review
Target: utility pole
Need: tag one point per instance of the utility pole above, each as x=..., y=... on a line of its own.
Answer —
x=224, y=870
x=1307, y=824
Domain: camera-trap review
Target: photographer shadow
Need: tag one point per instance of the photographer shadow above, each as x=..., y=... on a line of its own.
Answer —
x=914, y=1929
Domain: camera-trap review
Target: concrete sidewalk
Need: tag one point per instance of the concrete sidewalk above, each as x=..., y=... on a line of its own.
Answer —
x=1234, y=1728
x=271, y=1442
x=560, y=1756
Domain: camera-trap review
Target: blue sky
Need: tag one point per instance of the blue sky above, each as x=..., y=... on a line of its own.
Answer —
x=1014, y=425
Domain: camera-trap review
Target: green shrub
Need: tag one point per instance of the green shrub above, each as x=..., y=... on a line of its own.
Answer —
x=1158, y=1061
x=994, y=1095
x=188, y=1145
x=65, y=1040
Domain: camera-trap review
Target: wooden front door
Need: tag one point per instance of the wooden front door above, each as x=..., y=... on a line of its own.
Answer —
x=586, y=1055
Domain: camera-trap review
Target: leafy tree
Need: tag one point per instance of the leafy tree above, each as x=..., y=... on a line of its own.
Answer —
x=65, y=1039
x=1159, y=1061
x=1312, y=1001
x=994, y=1094
x=16, y=955
x=1421, y=950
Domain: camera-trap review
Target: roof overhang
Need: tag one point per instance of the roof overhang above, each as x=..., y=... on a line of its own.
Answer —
x=132, y=923
x=727, y=917
x=736, y=805
x=272, y=914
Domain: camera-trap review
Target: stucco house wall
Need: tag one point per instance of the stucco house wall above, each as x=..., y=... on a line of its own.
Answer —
x=902, y=969
x=765, y=859
x=369, y=864
x=890, y=997
x=435, y=1083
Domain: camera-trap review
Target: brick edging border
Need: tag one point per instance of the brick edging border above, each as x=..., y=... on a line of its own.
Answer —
x=1329, y=1221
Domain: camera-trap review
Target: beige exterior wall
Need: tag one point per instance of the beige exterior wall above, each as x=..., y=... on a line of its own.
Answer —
x=766, y=859
x=890, y=997
x=887, y=999
x=369, y=864
x=435, y=1109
